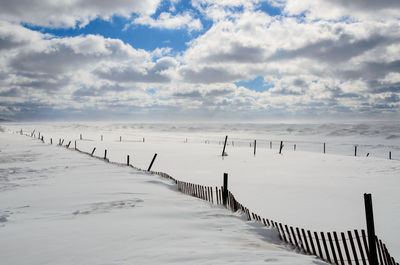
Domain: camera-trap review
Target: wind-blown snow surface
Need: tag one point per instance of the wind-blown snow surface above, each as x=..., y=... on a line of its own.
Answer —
x=62, y=207
x=305, y=188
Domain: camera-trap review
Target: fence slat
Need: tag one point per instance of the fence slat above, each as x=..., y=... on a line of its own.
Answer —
x=338, y=248
x=288, y=234
x=353, y=248
x=379, y=251
x=294, y=237
x=318, y=245
x=364, y=237
x=360, y=247
x=301, y=241
x=332, y=248
x=305, y=241
x=311, y=243
x=328, y=258
x=346, y=249
x=283, y=233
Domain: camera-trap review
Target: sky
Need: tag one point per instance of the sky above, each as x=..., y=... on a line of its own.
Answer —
x=199, y=59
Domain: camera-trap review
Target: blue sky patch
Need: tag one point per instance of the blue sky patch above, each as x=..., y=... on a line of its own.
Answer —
x=256, y=84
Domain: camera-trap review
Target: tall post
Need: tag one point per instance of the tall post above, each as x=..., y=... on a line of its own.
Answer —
x=324, y=147
x=390, y=155
x=355, y=150
x=75, y=145
x=80, y=137
x=373, y=258
x=270, y=145
x=225, y=190
x=105, y=154
x=127, y=160
x=101, y=137
x=294, y=147
x=51, y=140
x=152, y=161
x=94, y=149
x=255, y=146
x=120, y=138
x=223, y=150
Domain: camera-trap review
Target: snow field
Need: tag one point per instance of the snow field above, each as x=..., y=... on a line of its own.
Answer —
x=61, y=207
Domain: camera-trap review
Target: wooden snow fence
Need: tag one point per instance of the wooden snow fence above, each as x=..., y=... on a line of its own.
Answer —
x=341, y=248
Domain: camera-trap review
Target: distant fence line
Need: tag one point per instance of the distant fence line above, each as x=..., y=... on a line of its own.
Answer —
x=344, y=248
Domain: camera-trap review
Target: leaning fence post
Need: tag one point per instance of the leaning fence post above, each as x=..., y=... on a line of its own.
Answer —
x=255, y=146
x=105, y=154
x=127, y=160
x=390, y=155
x=94, y=149
x=355, y=150
x=225, y=191
x=280, y=147
x=152, y=161
x=373, y=259
x=223, y=150
x=51, y=140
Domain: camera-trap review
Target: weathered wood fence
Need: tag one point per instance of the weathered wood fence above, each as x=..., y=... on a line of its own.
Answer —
x=341, y=248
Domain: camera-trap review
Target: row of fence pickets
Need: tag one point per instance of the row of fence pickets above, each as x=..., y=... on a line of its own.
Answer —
x=343, y=250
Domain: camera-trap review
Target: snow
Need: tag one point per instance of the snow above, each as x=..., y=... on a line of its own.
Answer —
x=304, y=188
x=62, y=207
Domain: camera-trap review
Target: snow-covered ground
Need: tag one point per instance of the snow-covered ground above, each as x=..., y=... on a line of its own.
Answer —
x=62, y=207
x=305, y=188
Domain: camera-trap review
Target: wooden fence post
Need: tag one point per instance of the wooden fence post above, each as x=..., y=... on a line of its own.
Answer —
x=373, y=259
x=390, y=155
x=51, y=140
x=270, y=145
x=294, y=148
x=127, y=160
x=105, y=154
x=223, y=150
x=225, y=191
x=101, y=137
x=152, y=161
x=75, y=145
x=94, y=149
x=324, y=147
x=120, y=138
x=355, y=150
x=255, y=146
x=80, y=137
x=280, y=147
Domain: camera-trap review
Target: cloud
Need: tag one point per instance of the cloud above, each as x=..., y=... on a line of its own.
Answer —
x=167, y=21
x=66, y=14
x=208, y=75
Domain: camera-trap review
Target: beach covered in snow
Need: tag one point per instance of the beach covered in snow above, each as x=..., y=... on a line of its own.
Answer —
x=305, y=188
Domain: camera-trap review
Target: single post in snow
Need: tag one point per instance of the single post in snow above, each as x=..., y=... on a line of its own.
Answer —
x=120, y=138
x=255, y=146
x=62, y=142
x=355, y=150
x=101, y=137
x=68, y=144
x=143, y=139
x=75, y=145
x=42, y=139
x=270, y=145
x=21, y=132
x=59, y=141
x=105, y=154
x=390, y=155
x=324, y=147
x=127, y=160
x=223, y=150
x=39, y=136
x=80, y=137
x=280, y=147
x=51, y=140
x=94, y=149
x=294, y=147
x=372, y=257
x=225, y=191
x=152, y=161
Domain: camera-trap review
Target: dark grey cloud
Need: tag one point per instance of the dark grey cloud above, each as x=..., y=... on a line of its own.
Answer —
x=238, y=53
x=370, y=71
x=10, y=42
x=218, y=92
x=367, y=5
x=208, y=75
x=334, y=51
x=192, y=95
x=12, y=92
